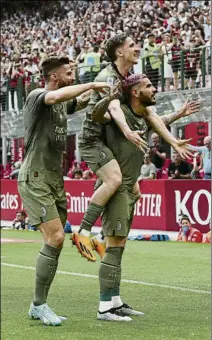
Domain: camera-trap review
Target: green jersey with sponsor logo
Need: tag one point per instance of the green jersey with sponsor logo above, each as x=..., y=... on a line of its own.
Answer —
x=44, y=138
x=92, y=131
x=129, y=157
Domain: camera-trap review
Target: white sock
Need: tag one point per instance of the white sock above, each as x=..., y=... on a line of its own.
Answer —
x=99, y=238
x=85, y=232
x=105, y=305
x=116, y=300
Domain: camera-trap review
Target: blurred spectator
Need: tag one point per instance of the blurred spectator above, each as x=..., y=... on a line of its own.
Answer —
x=207, y=237
x=19, y=222
x=148, y=170
x=187, y=233
x=175, y=61
x=87, y=174
x=157, y=153
x=197, y=166
x=205, y=152
x=75, y=167
x=15, y=172
x=179, y=169
x=78, y=174
x=166, y=50
x=152, y=53
x=4, y=92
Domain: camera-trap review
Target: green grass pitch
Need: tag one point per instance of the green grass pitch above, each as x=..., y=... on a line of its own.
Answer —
x=171, y=312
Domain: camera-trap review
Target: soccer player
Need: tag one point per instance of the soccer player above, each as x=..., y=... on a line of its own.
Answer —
x=123, y=53
x=118, y=213
x=40, y=180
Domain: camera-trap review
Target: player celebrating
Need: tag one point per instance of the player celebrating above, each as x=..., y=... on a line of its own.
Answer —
x=118, y=213
x=123, y=53
x=40, y=181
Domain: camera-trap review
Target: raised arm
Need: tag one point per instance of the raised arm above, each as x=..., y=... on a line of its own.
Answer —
x=69, y=92
x=158, y=125
x=186, y=110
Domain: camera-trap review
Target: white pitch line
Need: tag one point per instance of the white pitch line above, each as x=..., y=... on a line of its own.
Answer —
x=198, y=291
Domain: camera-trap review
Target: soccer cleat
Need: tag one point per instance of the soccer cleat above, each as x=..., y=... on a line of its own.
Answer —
x=127, y=310
x=83, y=245
x=45, y=314
x=111, y=315
x=99, y=247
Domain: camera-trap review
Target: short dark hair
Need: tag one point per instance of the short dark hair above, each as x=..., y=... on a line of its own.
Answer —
x=113, y=43
x=185, y=217
x=51, y=63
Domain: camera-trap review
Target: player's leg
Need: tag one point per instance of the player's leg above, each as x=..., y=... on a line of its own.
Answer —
x=98, y=242
x=101, y=160
x=40, y=205
x=116, y=219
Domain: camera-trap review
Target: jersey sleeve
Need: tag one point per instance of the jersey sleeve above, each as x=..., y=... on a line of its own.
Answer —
x=36, y=100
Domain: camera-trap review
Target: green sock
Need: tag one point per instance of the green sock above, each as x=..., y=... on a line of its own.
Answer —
x=46, y=267
x=110, y=273
x=92, y=214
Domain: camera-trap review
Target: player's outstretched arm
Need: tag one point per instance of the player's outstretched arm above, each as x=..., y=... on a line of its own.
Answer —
x=186, y=110
x=181, y=146
x=69, y=92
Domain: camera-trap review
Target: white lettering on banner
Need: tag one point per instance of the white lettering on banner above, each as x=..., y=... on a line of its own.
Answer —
x=9, y=201
x=180, y=205
x=77, y=204
x=150, y=206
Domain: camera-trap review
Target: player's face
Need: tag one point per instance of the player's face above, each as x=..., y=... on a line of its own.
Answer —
x=65, y=76
x=146, y=92
x=130, y=51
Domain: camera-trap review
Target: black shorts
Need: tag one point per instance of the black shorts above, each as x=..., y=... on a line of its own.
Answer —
x=175, y=65
x=191, y=73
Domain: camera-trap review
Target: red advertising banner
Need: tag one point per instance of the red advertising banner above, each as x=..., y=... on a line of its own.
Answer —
x=158, y=208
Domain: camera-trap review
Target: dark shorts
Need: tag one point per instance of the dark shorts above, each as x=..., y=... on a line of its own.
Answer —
x=191, y=73
x=175, y=66
x=96, y=155
x=42, y=202
x=118, y=214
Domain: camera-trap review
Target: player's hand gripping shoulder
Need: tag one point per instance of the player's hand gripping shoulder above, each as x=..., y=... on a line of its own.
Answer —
x=99, y=113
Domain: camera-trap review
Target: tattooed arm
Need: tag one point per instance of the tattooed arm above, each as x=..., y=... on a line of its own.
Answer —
x=186, y=110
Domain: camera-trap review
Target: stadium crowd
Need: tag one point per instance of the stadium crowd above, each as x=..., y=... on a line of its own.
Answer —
x=79, y=28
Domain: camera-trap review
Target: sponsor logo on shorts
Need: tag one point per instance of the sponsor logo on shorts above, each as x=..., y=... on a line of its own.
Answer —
x=102, y=155
x=43, y=211
x=118, y=225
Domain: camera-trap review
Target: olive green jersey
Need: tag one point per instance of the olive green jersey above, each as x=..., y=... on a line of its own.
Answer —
x=45, y=137
x=128, y=156
x=92, y=131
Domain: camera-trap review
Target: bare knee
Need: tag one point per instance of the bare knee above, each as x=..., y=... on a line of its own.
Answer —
x=115, y=241
x=55, y=239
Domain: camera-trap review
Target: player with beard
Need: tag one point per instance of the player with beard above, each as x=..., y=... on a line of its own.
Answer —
x=123, y=53
x=119, y=211
x=40, y=180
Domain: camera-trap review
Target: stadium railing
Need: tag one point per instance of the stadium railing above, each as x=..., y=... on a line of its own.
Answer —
x=192, y=64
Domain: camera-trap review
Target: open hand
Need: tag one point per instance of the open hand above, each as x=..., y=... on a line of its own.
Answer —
x=189, y=108
x=102, y=87
x=182, y=147
x=134, y=137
